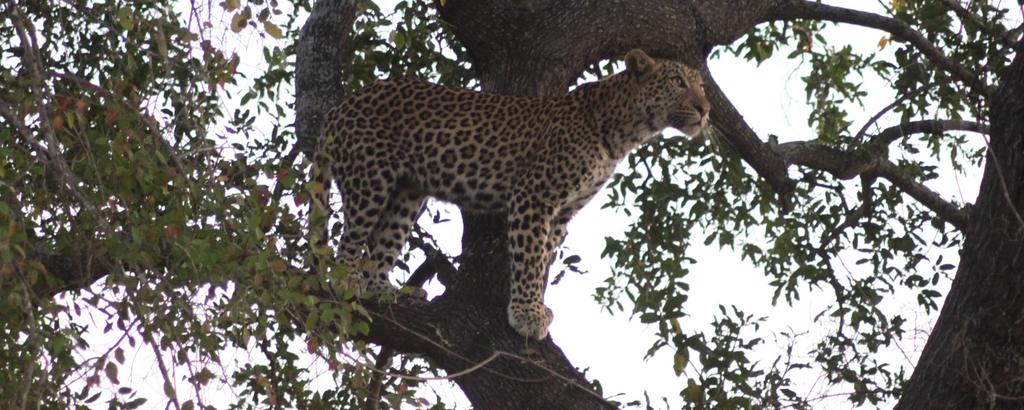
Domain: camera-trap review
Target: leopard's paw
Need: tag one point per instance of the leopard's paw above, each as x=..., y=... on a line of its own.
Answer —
x=530, y=320
x=355, y=282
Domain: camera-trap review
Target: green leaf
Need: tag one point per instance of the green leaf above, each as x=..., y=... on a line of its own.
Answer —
x=125, y=17
x=312, y=319
x=397, y=38
x=111, y=371
x=134, y=404
x=239, y=20
x=693, y=392
x=272, y=29
x=680, y=360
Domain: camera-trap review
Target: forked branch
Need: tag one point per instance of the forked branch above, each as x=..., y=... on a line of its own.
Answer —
x=846, y=165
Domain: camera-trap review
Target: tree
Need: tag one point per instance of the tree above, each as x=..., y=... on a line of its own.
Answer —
x=111, y=173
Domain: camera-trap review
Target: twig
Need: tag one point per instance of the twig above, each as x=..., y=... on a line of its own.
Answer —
x=853, y=217
x=877, y=116
x=964, y=14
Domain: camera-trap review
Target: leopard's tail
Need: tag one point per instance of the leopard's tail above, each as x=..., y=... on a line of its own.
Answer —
x=319, y=204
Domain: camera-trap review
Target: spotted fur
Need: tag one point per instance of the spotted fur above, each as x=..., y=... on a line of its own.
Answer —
x=539, y=160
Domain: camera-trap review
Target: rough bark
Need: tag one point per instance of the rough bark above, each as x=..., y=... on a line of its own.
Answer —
x=975, y=355
x=320, y=67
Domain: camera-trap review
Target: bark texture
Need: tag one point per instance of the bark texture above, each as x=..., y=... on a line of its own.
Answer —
x=974, y=358
x=320, y=65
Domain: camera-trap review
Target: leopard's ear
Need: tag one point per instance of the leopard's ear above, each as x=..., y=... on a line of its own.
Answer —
x=639, y=63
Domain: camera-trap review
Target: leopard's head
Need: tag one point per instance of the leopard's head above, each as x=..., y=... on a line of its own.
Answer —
x=671, y=94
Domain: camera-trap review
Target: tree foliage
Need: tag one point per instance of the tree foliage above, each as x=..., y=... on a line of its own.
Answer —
x=153, y=196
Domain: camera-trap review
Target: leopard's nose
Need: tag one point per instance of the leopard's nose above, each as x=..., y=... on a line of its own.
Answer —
x=703, y=109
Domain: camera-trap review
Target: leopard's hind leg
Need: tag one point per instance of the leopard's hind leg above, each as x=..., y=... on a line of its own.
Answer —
x=364, y=196
x=388, y=237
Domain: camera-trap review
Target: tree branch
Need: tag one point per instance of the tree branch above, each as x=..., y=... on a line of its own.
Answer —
x=319, y=66
x=841, y=164
x=853, y=217
x=1007, y=37
x=879, y=114
x=846, y=165
x=32, y=63
x=893, y=133
x=953, y=214
x=801, y=9
x=730, y=123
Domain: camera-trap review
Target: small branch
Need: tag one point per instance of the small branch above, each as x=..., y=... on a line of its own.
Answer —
x=373, y=396
x=1007, y=38
x=873, y=119
x=956, y=216
x=853, y=217
x=437, y=263
x=893, y=133
x=797, y=9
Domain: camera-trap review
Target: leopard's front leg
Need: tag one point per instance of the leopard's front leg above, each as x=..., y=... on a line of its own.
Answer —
x=531, y=249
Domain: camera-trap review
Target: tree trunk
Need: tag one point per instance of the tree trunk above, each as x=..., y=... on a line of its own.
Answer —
x=975, y=355
x=320, y=66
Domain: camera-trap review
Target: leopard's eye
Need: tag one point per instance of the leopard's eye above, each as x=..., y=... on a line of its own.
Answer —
x=678, y=81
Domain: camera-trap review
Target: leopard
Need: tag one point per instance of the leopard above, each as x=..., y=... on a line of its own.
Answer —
x=539, y=160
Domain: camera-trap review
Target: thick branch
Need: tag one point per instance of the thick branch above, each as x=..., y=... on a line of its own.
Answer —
x=846, y=165
x=801, y=9
x=730, y=123
x=948, y=212
x=523, y=44
x=974, y=355
x=75, y=272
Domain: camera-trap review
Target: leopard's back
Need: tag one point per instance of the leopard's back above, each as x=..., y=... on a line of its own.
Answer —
x=460, y=146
